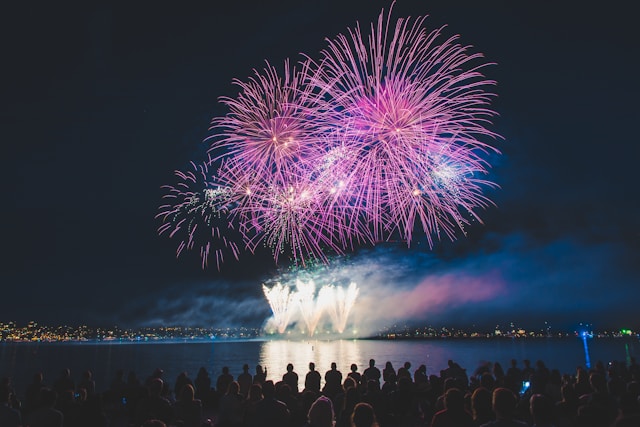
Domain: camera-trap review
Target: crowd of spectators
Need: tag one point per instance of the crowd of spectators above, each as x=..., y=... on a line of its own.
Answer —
x=530, y=396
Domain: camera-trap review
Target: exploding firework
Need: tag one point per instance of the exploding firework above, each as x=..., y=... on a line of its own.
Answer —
x=381, y=137
x=197, y=212
x=336, y=301
x=409, y=105
x=280, y=300
x=273, y=128
x=339, y=303
x=311, y=308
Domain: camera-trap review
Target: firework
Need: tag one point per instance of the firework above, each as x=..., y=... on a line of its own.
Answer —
x=273, y=128
x=404, y=100
x=280, y=300
x=197, y=212
x=339, y=303
x=311, y=308
x=381, y=137
x=335, y=301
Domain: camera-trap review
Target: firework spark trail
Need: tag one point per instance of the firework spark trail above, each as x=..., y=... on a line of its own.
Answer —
x=280, y=300
x=383, y=135
x=273, y=127
x=400, y=94
x=311, y=308
x=195, y=212
x=339, y=304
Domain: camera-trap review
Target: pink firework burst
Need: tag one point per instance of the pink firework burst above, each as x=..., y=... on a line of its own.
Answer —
x=381, y=137
x=197, y=213
x=408, y=102
x=288, y=216
x=272, y=128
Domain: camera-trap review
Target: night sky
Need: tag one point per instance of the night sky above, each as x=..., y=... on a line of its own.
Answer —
x=100, y=104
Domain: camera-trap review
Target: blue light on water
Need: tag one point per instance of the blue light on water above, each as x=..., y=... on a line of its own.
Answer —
x=587, y=359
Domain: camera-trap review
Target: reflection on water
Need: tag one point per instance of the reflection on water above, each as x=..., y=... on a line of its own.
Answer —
x=587, y=359
x=21, y=360
x=275, y=355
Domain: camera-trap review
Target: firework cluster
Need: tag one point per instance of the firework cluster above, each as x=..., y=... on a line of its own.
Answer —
x=378, y=138
x=285, y=303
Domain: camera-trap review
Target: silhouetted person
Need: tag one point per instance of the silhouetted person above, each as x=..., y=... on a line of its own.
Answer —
x=332, y=381
x=91, y=411
x=321, y=413
x=363, y=416
x=372, y=372
x=453, y=413
x=46, y=415
x=64, y=382
x=261, y=375
x=245, y=379
x=255, y=396
x=7, y=385
x=9, y=417
x=567, y=408
x=187, y=409
x=527, y=371
x=481, y=406
x=504, y=404
x=32, y=395
x=403, y=405
x=542, y=411
x=133, y=392
x=230, y=412
x=224, y=379
x=270, y=412
x=420, y=377
x=405, y=371
x=312, y=379
x=87, y=382
x=357, y=377
x=498, y=374
x=70, y=406
x=350, y=400
x=599, y=406
x=457, y=373
x=202, y=384
x=389, y=373
x=181, y=380
x=154, y=406
x=373, y=396
x=339, y=399
x=157, y=373
x=539, y=378
x=291, y=378
x=116, y=387
x=554, y=383
x=286, y=396
x=513, y=378
x=487, y=381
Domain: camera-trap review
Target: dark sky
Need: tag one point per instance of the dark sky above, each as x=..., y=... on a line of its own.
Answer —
x=101, y=104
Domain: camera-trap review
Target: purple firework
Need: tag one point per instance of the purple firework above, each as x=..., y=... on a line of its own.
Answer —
x=411, y=107
x=273, y=149
x=272, y=128
x=382, y=135
x=196, y=212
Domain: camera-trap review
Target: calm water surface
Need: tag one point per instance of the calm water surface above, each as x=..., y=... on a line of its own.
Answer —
x=21, y=360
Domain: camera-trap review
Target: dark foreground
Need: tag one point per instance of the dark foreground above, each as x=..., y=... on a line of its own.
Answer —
x=491, y=395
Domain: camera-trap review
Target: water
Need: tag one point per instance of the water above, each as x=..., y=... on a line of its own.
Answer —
x=21, y=360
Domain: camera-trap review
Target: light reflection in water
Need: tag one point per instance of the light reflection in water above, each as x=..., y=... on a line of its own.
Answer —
x=275, y=355
x=587, y=358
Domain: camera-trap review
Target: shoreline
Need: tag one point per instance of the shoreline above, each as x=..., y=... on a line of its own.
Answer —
x=203, y=340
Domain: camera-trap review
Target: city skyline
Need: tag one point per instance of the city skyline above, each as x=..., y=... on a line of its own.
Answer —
x=104, y=103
